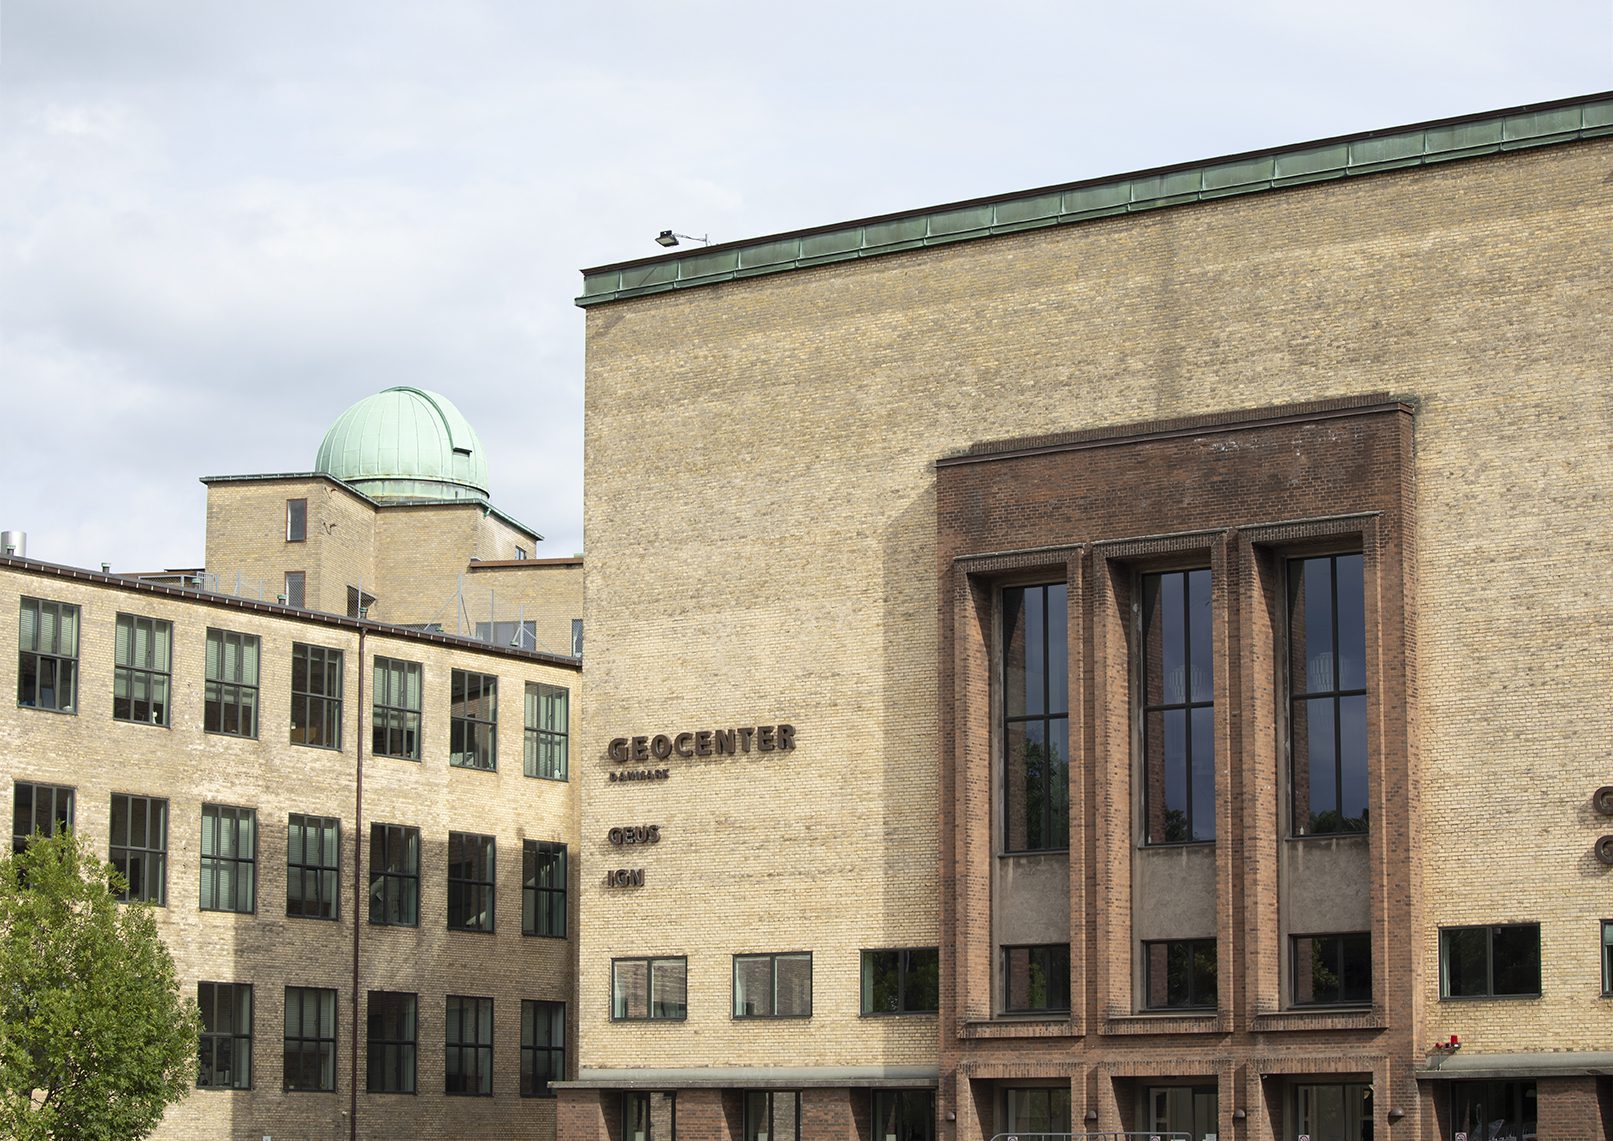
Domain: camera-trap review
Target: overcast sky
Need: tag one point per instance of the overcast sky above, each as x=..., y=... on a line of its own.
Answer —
x=224, y=221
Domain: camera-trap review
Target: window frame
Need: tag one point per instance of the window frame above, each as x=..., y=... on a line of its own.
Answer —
x=472, y=739
x=547, y=749
x=1294, y=968
x=1049, y=956
x=240, y=1043
x=408, y=837
x=305, y=702
x=230, y=691
x=650, y=962
x=1490, y=930
x=531, y=1050
x=60, y=818
x=904, y=971
x=377, y=1042
x=1194, y=1001
x=328, y=826
x=235, y=866
x=534, y=893
x=152, y=857
x=1607, y=958
x=1301, y=822
x=465, y=891
x=296, y=521
x=322, y=1047
x=772, y=959
x=478, y=1048
x=1145, y=710
x=155, y=675
x=64, y=665
x=1053, y=827
x=385, y=705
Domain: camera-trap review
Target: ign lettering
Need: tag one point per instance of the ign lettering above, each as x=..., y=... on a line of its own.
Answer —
x=625, y=877
x=695, y=743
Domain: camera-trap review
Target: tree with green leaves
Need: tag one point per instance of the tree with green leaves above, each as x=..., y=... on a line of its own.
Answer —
x=95, y=1040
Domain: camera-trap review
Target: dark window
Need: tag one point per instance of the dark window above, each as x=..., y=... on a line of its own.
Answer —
x=1489, y=962
x=225, y=1049
x=313, y=859
x=543, y=888
x=229, y=858
x=649, y=988
x=316, y=696
x=904, y=1115
x=394, y=875
x=139, y=847
x=393, y=1039
x=468, y=1042
x=1037, y=1110
x=1179, y=974
x=296, y=589
x=43, y=808
x=1178, y=710
x=1337, y=1110
x=310, y=1038
x=548, y=727
x=1332, y=969
x=543, y=1047
x=1036, y=978
x=231, y=703
x=1607, y=956
x=473, y=720
x=1494, y=1111
x=396, y=727
x=296, y=520
x=1035, y=718
x=47, y=655
x=141, y=671
x=1327, y=684
x=906, y=981
x=470, y=882
x=773, y=986
x=772, y=1114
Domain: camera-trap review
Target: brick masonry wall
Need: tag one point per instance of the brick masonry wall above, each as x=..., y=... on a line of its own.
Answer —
x=181, y=763
x=549, y=595
x=246, y=540
x=763, y=547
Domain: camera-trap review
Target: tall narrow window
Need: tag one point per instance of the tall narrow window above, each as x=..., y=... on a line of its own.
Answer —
x=543, y=1047
x=230, y=705
x=548, y=729
x=1179, y=974
x=313, y=861
x=316, y=696
x=139, y=847
x=543, y=888
x=140, y=674
x=296, y=589
x=468, y=1042
x=296, y=520
x=904, y=1115
x=229, y=858
x=43, y=808
x=1178, y=712
x=393, y=1041
x=1036, y=979
x=310, y=1056
x=576, y=637
x=47, y=655
x=1036, y=718
x=649, y=1115
x=473, y=720
x=394, y=875
x=1327, y=681
x=226, y=1042
x=396, y=728
x=470, y=882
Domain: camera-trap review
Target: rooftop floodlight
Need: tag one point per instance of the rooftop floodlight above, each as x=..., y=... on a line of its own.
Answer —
x=668, y=239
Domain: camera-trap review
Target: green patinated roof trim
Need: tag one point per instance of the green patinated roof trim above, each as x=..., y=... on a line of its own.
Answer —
x=1397, y=148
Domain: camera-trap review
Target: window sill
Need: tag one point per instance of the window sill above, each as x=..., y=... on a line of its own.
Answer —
x=1321, y=1018
x=1494, y=997
x=1165, y=1022
x=904, y=1013
x=1022, y=1026
x=1019, y=852
x=49, y=709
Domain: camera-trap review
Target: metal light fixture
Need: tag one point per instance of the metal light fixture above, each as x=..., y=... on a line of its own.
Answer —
x=668, y=239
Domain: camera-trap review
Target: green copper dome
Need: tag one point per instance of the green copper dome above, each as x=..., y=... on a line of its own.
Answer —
x=405, y=443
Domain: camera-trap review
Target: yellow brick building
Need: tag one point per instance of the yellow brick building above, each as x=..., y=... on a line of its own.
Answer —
x=1353, y=399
